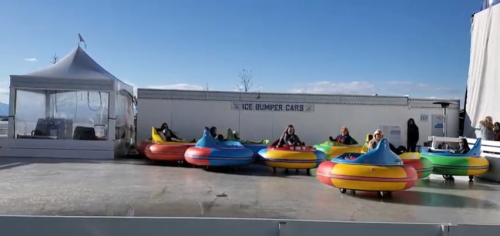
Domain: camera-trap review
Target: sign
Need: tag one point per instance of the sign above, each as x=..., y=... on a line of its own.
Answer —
x=287, y=107
x=392, y=133
x=424, y=117
x=437, y=123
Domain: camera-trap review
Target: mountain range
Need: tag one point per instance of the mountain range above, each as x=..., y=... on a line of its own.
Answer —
x=4, y=110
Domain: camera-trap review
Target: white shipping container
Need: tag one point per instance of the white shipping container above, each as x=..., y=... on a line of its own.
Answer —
x=260, y=116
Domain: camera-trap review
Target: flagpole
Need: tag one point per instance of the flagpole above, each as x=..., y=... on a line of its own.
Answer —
x=81, y=40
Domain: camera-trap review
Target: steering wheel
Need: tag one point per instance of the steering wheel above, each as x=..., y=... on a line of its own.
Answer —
x=296, y=147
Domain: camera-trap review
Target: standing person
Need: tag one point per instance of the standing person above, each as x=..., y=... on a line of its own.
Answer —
x=486, y=127
x=412, y=136
x=496, y=129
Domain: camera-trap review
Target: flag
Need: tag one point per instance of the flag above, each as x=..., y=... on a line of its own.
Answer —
x=81, y=40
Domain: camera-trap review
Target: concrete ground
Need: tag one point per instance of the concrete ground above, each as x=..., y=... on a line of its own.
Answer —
x=138, y=188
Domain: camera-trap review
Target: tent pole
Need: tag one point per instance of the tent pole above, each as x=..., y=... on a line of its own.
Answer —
x=444, y=123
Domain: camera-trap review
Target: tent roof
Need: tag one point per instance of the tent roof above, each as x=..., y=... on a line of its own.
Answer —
x=76, y=65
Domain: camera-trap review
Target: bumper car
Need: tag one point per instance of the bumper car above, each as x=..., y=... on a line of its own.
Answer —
x=161, y=150
x=379, y=170
x=209, y=151
x=421, y=164
x=141, y=147
x=448, y=164
x=255, y=146
x=335, y=149
x=292, y=157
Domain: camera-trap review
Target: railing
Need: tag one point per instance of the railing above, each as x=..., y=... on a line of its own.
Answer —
x=125, y=226
x=4, y=132
x=489, y=149
x=4, y=127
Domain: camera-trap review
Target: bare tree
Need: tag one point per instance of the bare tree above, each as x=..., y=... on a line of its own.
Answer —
x=246, y=83
x=304, y=90
x=206, y=87
x=55, y=59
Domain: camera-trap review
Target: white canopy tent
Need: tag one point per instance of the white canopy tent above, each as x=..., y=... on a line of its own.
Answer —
x=75, y=76
x=76, y=71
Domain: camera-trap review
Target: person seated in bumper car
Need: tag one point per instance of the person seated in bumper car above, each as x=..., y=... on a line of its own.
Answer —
x=377, y=136
x=367, y=143
x=236, y=135
x=166, y=133
x=343, y=137
x=289, y=138
x=213, y=132
x=464, y=147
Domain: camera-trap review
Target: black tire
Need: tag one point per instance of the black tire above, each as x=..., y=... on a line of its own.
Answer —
x=383, y=194
x=296, y=170
x=286, y=170
x=342, y=190
x=448, y=177
x=274, y=169
x=308, y=171
x=353, y=192
x=471, y=177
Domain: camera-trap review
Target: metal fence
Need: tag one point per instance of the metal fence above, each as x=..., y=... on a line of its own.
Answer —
x=134, y=226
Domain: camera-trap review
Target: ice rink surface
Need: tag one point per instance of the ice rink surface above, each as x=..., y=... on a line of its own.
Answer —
x=139, y=188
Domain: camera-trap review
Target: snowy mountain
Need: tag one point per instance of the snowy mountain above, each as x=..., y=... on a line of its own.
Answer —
x=83, y=110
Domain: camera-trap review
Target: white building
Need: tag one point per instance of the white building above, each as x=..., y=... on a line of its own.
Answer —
x=260, y=116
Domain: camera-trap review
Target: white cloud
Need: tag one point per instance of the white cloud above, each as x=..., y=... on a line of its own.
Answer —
x=327, y=87
x=31, y=59
x=179, y=86
x=436, y=91
x=382, y=88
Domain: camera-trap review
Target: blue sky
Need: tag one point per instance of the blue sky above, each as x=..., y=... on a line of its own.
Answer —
x=420, y=48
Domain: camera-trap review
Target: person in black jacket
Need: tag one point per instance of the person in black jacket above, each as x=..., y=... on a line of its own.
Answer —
x=344, y=137
x=213, y=132
x=464, y=147
x=412, y=136
x=166, y=133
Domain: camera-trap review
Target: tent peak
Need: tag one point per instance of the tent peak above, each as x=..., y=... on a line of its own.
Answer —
x=76, y=65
